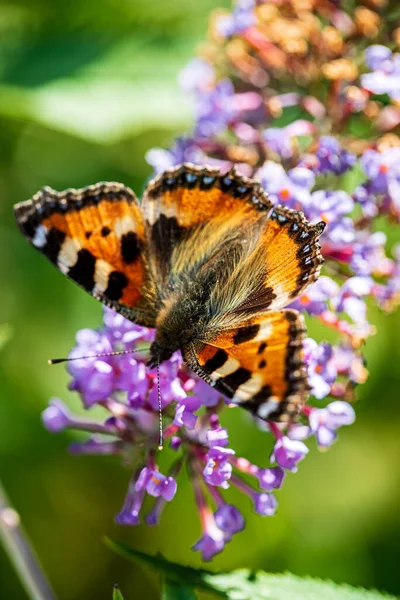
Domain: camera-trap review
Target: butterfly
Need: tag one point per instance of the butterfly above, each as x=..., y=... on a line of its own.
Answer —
x=207, y=261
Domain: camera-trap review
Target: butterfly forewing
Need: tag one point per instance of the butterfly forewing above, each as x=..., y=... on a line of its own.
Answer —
x=95, y=236
x=200, y=209
x=190, y=204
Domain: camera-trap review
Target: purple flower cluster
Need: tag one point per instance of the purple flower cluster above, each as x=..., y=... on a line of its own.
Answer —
x=384, y=77
x=331, y=150
x=126, y=389
x=330, y=157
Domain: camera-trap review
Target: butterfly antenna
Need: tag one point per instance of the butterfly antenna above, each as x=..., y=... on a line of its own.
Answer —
x=55, y=361
x=160, y=431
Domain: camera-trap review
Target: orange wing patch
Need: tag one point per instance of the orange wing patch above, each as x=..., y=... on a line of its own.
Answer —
x=182, y=201
x=96, y=237
x=293, y=258
x=193, y=195
x=258, y=365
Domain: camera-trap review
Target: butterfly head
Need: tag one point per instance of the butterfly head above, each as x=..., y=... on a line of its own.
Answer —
x=166, y=343
x=178, y=323
x=158, y=354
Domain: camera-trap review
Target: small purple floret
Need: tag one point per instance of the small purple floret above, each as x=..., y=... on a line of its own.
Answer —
x=56, y=416
x=271, y=478
x=218, y=469
x=325, y=421
x=288, y=453
x=265, y=504
x=229, y=519
x=210, y=544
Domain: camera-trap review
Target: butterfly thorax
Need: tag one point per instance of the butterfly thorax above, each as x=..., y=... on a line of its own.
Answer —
x=205, y=291
x=181, y=320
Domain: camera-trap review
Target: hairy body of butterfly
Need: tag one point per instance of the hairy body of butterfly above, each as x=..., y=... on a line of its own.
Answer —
x=207, y=261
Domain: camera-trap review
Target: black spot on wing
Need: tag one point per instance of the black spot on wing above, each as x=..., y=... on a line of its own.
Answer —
x=105, y=231
x=54, y=240
x=261, y=347
x=130, y=247
x=166, y=233
x=245, y=334
x=216, y=362
x=83, y=270
x=117, y=282
x=262, y=364
x=230, y=383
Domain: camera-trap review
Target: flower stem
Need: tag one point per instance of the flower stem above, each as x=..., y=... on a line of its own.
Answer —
x=21, y=553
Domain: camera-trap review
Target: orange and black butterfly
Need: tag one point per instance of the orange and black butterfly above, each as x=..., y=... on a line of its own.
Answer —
x=207, y=261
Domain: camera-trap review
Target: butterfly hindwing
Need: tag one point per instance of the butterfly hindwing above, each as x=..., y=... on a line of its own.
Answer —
x=258, y=365
x=95, y=236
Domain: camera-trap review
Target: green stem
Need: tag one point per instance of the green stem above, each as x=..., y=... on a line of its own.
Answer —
x=21, y=553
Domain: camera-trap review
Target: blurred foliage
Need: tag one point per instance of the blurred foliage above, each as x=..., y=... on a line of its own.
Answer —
x=86, y=88
x=179, y=582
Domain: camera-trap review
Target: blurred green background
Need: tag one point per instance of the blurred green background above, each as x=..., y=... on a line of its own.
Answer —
x=86, y=89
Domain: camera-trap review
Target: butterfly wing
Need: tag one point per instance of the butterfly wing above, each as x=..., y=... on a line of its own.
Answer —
x=187, y=200
x=95, y=236
x=249, y=260
x=258, y=365
x=196, y=215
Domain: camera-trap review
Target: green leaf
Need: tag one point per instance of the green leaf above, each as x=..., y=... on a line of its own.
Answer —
x=122, y=108
x=6, y=333
x=117, y=593
x=171, y=590
x=175, y=573
x=242, y=584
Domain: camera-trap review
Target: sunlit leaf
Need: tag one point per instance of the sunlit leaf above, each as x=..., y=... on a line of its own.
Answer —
x=242, y=584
